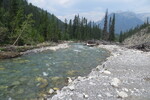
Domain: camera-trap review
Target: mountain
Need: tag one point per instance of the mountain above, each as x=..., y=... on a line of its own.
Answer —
x=124, y=21
x=144, y=16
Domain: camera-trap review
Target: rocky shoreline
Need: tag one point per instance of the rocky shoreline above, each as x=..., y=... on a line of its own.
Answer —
x=125, y=75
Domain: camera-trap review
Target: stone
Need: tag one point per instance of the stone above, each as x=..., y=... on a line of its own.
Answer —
x=107, y=72
x=115, y=82
x=125, y=89
x=51, y=91
x=91, y=83
x=100, y=95
x=122, y=94
x=71, y=88
x=85, y=96
x=108, y=94
x=69, y=80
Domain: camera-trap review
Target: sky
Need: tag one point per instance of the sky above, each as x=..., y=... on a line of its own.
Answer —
x=93, y=10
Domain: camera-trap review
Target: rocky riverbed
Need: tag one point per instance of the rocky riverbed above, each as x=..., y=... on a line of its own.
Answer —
x=125, y=75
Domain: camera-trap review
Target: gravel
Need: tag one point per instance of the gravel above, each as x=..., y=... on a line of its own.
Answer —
x=127, y=69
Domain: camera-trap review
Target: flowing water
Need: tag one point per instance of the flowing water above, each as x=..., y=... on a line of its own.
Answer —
x=30, y=76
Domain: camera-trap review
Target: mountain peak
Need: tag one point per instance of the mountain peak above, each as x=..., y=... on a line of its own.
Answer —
x=124, y=21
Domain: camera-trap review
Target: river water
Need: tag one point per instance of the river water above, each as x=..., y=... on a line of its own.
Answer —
x=32, y=75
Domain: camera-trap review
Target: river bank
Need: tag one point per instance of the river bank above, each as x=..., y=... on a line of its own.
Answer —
x=8, y=52
x=125, y=75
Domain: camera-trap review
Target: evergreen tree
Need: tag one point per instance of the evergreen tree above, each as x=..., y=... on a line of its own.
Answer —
x=112, y=29
x=121, y=37
x=105, y=33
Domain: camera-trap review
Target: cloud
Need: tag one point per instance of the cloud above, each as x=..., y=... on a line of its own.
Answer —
x=92, y=16
x=92, y=9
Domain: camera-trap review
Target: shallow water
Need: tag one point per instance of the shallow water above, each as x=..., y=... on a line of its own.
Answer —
x=30, y=76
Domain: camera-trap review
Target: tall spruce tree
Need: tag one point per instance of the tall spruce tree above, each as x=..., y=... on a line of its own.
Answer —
x=121, y=37
x=105, y=33
x=112, y=30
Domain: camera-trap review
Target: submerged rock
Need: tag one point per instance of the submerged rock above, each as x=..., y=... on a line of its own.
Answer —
x=1, y=68
x=43, y=82
x=71, y=72
x=16, y=83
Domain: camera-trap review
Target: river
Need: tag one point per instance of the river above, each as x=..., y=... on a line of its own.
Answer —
x=32, y=75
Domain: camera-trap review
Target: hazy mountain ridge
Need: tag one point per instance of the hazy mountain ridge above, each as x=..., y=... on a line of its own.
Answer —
x=126, y=20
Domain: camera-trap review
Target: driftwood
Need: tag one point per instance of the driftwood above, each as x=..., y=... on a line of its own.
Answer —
x=143, y=47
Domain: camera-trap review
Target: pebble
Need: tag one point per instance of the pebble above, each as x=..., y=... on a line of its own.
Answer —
x=122, y=94
x=69, y=80
x=115, y=82
x=85, y=95
x=108, y=94
x=91, y=83
x=107, y=72
x=125, y=89
x=99, y=95
x=71, y=88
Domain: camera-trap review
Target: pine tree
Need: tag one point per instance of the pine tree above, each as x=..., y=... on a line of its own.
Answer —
x=105, y=33
x=121, y=37
x=70, y=30
x=112, y=30
x=110, y=27
x=147, y=20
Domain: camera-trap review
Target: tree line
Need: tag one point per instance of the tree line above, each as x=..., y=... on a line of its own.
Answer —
x=132, y=31
x=23, y=23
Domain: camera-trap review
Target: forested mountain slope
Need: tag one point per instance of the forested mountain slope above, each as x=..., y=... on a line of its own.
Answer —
x=23, y=23
x=18, y=17
x=139, y=37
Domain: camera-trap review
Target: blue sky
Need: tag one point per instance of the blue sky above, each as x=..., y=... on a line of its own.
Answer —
x=92, y=9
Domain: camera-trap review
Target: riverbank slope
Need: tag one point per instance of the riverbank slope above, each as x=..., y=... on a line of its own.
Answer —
x=124, y=75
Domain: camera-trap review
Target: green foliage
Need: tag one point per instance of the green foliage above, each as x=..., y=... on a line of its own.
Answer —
x=112, y=29
x=121, y=38
x=22, y=23
x=105, y=33
x=3, y=34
